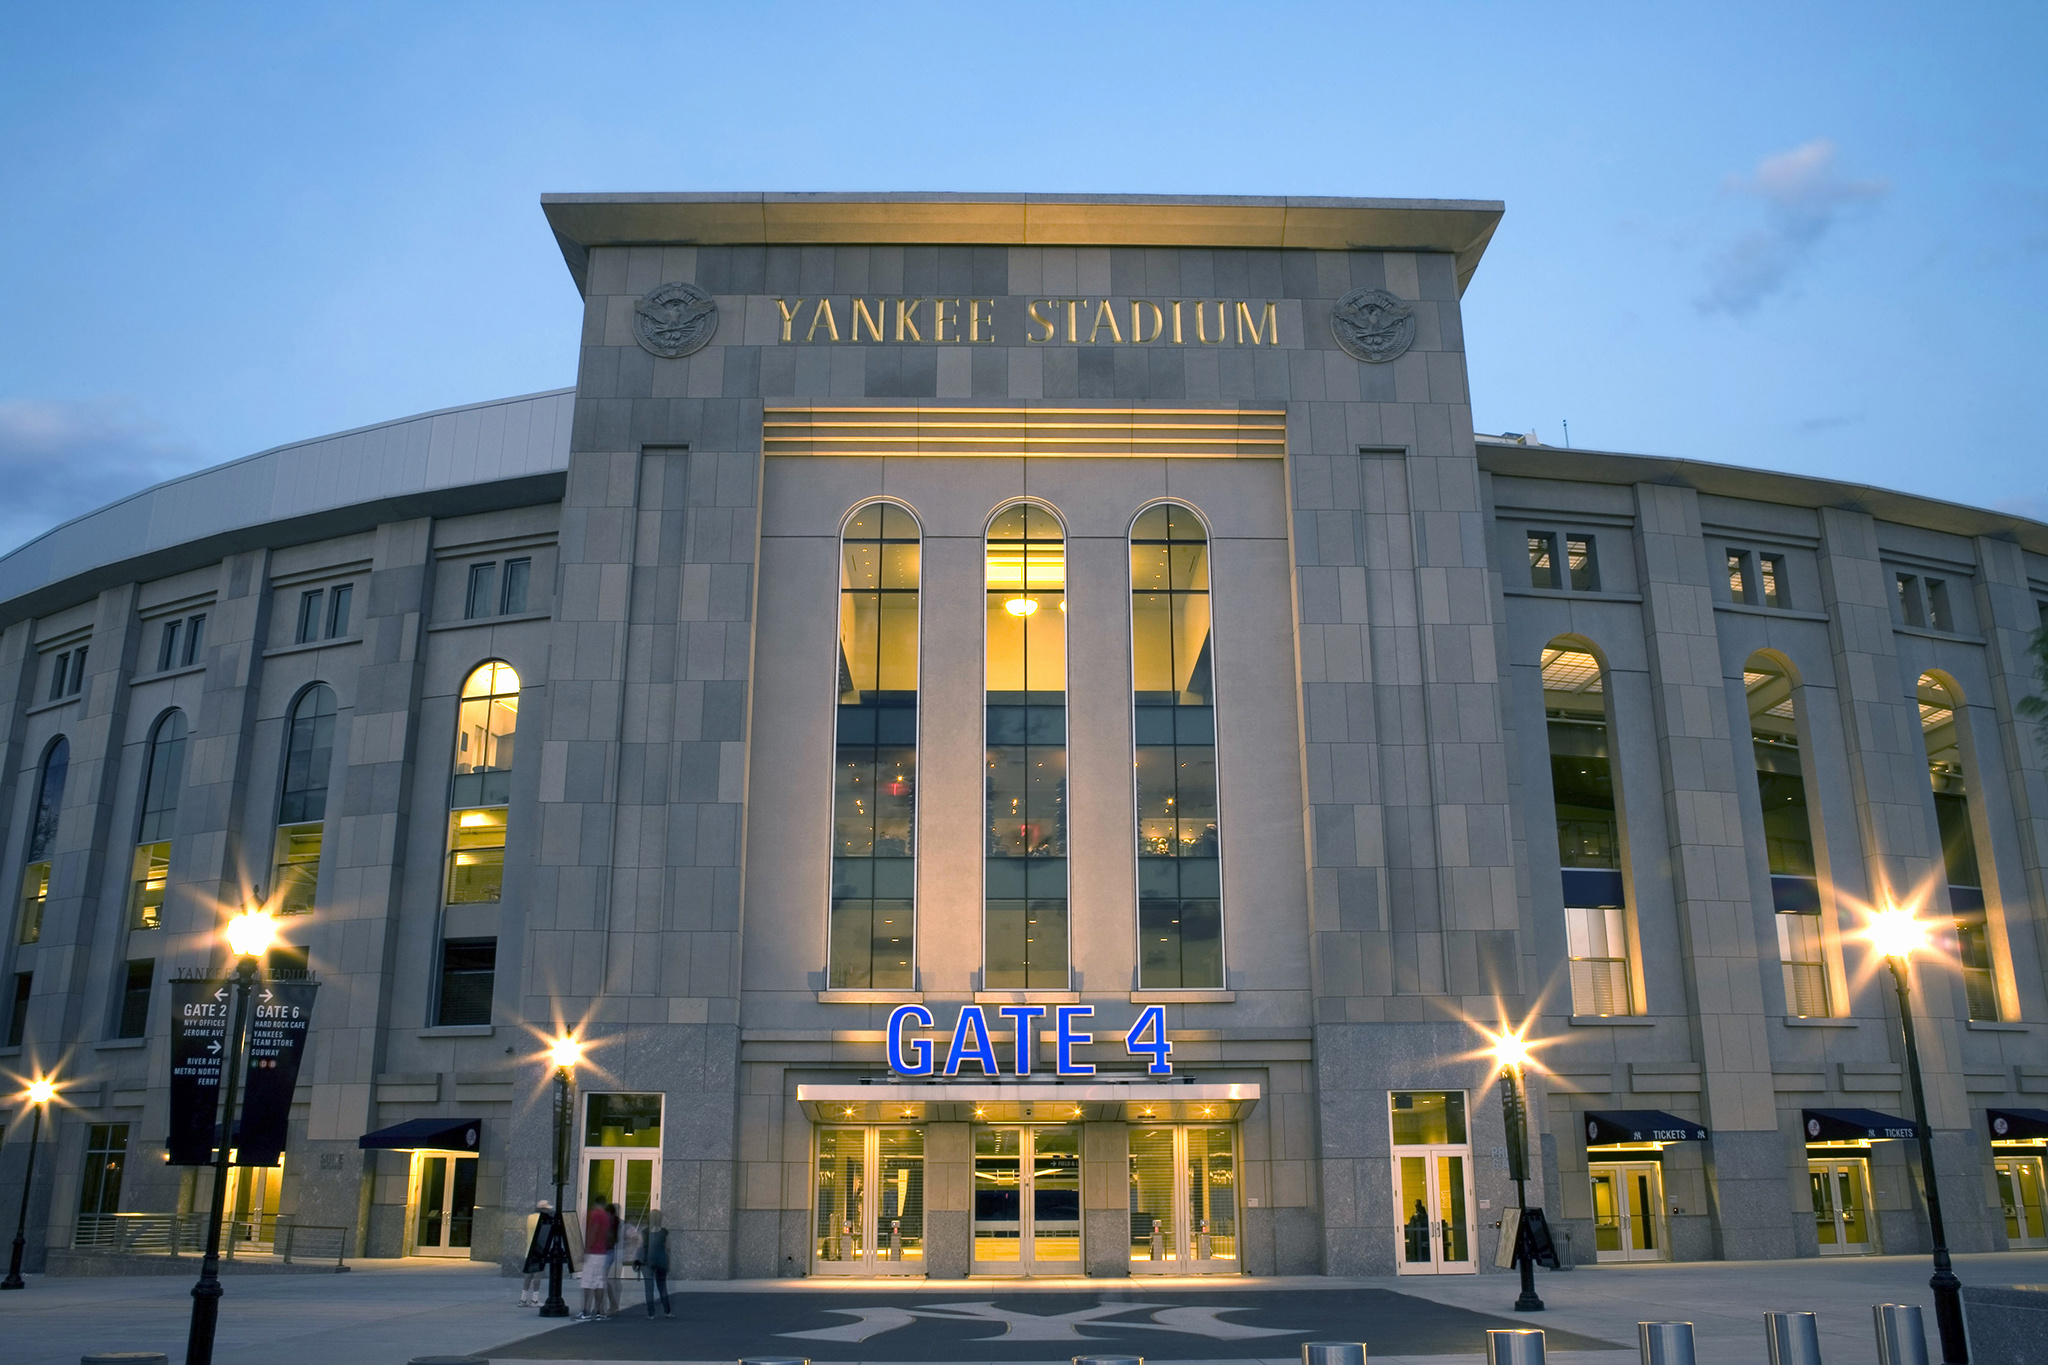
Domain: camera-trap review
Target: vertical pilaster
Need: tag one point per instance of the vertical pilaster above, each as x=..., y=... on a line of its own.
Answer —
x=2010, y=614
x=1710, y=876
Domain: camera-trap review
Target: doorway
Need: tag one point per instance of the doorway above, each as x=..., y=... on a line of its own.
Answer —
x=1027, y=1201
x=1433, y=1188
x=2020, y=1191
x=1841, y=1204
x=443, y=1203
x=1183, y=1201
x=1628, y=1205
x=868, y=1212
x=252, y=1205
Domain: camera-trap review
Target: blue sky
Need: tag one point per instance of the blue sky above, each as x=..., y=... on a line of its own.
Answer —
x=1805, y=237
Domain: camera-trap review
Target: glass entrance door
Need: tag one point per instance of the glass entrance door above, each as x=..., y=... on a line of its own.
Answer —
x=2020, y=1191
x=627, y=1179
x=1027, y=1201
x=1183, y=1201
x=252, y=1205
x=868, y=1211
x=1628, y=1204
x=1841, y=1205
x=1432, y=1188
x=443, y=1203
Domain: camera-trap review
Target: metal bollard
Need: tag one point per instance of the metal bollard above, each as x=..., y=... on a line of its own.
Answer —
x=1514, y=1346
x=1333, y=1353
x=1792, y=1338
x=1109, y=1360
x=775, y=1360
x=1901, y=1336
x=1665, y=1343
x=448, y=1360
x=125, y=1358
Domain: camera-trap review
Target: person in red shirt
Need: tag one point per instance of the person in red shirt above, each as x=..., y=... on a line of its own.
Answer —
x=598, y=1231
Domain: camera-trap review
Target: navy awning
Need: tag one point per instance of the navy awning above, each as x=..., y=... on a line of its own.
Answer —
x=1606, y=1127
x=1855, y=1125
x=437, y=1135
x=2017, y=1125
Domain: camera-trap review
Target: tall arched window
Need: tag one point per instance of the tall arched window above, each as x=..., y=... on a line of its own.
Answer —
x=302, y=808
x=874, y=794
x=482, y=785
x=1788, y=834
x=1939, y=715
x=1582, y=789
x=163, y=778
x=1024, y=908
x=1180, y=884
x=42, y=838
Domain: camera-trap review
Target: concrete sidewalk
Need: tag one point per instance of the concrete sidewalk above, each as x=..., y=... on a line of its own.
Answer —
x=389, y=1311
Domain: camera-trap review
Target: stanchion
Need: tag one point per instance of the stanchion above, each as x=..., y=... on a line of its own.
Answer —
x=1901, y=1336
x=1514, y=1346
x=775, y=1360
x=1665, y=1343
x=1333, y=1353
x=1109, y=1360
x=1792, y=1338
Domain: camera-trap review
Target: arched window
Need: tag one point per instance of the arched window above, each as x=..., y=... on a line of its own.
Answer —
x=162, y=779
x=1788, y=834
x=1582, y=788
x=1180, y=884
x=1940, y=714
x=874, y=795
x=302, y=808
x=42, y=838
x=482, y=785
x=1024, y=907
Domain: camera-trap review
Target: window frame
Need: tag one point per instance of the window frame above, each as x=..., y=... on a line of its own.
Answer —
x=1998, y=948
x=282, y=827
x=1215, y=758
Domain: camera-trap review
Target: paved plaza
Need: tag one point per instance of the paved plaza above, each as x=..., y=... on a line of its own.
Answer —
x=386, y=1311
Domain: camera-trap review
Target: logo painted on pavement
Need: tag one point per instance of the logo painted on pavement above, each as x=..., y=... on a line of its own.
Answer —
x=1021, y=1326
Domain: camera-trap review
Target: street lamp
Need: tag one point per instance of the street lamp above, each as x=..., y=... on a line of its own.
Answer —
x=249, y=936
x=1512, y=1055
x=1898, y=934
x=40, y=1092
x=565, y=1052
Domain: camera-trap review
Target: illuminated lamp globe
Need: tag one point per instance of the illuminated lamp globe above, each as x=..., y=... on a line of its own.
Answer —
x=1509, y=1050
x=565, y=1052
x=251, y=933
x=1897, y=932
x=1020, y=606
x=41, y=1091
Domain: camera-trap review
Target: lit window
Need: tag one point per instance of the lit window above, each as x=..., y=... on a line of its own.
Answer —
x=1025, y=871
x=162, y=781
x=1180, y=907
x=302, y=808
x=1588, y=831
x=481, y=787
x=1771, y=576
x=1940, y=718
x=1788, y=835
x=874, y=789
x=42, y=840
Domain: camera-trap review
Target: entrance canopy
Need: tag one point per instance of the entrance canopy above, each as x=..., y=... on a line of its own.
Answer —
x=1612, y=1127
x=1855, y=1125
x=2018, y=1125
x=991, y=1102
x=431, y=1135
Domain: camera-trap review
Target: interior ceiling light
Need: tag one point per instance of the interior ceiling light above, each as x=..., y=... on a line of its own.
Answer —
x=1020, y=606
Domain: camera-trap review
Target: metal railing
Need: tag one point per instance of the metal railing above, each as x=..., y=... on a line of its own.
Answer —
x=184, y=1234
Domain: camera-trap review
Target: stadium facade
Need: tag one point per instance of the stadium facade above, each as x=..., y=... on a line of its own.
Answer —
x=937, y=621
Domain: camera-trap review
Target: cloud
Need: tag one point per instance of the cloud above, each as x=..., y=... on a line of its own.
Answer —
x=1813, y=426
x=1803, y=196
x=60, y=459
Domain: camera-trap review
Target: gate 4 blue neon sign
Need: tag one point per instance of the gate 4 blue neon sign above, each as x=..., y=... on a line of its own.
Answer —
x=972, y=1041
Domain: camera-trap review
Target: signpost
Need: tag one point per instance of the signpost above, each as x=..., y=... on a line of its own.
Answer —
x=277, y=1044
x=200, y=1044
x=200, y=1013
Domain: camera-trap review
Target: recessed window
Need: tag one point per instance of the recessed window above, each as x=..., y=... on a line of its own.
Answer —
x=179, y=642
x=162, y=781
x=1788, y=835
x=1908, y=589
x=478, y=793
x=1938, y=615
x=67, y=673
x=1543, y=560
x=324, y=613
x=1584, y=563
x=1588, y=831
x=134, y=1017
x=17, y=1013
x=512, y=600
x=42, y=841
x=1577, y=568
x=1940, y=718
x=482, y=597
x=302, y=808
x=309, y=615
x=99, y=1187
x=1180, y=906
x=468, y=971
x=874, y=790
x=1770, y=574
x=1025, y=868
x=339, y=603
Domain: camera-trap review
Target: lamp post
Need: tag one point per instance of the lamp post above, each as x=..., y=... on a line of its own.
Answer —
x=1897, y=933
x=1510, y=1052
x=249, y=936
x=564, y=1053
x=40, y=1092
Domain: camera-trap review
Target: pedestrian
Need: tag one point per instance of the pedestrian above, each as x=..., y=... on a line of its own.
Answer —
x=598, y=1232
x=611, y=1284
x=538, y=1224
x=630, y=1242
x=654, y=1257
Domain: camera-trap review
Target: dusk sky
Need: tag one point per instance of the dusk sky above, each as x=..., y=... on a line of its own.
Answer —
x=1802, y=237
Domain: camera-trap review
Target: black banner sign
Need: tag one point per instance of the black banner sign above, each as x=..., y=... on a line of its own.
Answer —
x=278, y=1014
x=201, y=1013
